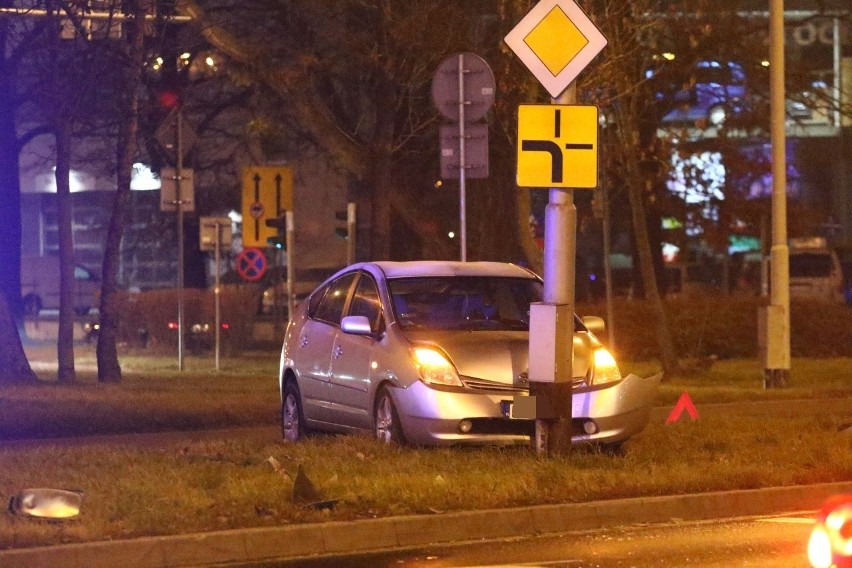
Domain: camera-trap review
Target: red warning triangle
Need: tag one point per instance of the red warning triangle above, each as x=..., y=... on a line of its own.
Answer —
x=683, y=403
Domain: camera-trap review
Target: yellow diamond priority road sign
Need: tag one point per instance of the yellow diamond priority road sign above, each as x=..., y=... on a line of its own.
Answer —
x=558, y=146
x=556, y=40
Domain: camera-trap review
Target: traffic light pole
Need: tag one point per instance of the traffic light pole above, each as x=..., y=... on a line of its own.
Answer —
x=291, y=273
x=351, y=235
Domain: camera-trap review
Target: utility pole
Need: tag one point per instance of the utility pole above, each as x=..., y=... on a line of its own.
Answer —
x=776, y=318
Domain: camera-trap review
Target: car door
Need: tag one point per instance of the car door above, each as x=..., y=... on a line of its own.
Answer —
x=315, y=342
x=352, y=357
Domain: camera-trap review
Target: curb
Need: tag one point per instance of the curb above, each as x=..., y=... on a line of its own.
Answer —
x=345, y=537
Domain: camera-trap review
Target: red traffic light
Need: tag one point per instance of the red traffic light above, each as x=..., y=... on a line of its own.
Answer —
x=169, y=99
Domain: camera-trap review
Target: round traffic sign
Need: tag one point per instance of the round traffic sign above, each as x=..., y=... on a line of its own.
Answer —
x=256, y=209
x=251, y=264
x=477, y=86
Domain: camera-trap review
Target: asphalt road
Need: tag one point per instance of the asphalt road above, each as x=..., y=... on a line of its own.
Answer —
x=767, y=542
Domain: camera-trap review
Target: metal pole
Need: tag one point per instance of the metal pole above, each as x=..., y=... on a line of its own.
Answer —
x=351, y=223
x=837, y=56
x=607, y=245
x=560, y=251
x=291, y=272
x=777, y=368
x=179, y=198
x=216, y=292
x=462, y=159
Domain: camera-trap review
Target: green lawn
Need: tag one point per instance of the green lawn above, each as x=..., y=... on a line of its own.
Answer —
x=184, y=485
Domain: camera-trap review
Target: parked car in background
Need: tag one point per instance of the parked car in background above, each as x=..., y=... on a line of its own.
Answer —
x=815, y=271
x=708, y=95
x=40, y=285
x=434, y=353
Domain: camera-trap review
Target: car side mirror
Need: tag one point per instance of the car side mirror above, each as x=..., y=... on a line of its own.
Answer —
x=594, y=324
x=356, y=325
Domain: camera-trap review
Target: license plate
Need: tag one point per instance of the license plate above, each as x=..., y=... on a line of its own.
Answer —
x=506, y=407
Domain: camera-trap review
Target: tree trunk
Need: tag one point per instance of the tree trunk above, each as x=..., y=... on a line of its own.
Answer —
x=668, y=357
x=65, y=343
x=14, y=367
x=109, y=369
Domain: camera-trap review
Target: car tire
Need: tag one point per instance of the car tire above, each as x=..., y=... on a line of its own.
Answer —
x=386, y=424
x=293, y=427
x=32, y=305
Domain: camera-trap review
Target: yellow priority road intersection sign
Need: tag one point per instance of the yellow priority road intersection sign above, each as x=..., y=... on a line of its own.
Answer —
x=558, y=146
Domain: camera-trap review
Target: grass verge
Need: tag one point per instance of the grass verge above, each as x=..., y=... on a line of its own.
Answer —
x=185, y=485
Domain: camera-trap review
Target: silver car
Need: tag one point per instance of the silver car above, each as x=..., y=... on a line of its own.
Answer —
x=434, y=353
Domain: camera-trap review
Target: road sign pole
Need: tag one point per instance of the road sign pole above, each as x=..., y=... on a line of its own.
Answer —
x=179, y=199
x=462, y=162
x=216, y=294
x=556, y=65
x=553, y=435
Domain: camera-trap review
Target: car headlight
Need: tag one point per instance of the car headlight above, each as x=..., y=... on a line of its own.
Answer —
x=605, y=369
x=434, y=368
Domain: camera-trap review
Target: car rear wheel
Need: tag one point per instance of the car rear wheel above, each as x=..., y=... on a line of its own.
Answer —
x=293, y=427
x=386, y=419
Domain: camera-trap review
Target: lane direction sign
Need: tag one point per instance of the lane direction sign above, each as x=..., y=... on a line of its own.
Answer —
x=558, y=146
x=267, y=193
x=556, y=40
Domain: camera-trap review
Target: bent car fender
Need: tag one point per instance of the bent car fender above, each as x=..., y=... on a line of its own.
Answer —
x=630, y=394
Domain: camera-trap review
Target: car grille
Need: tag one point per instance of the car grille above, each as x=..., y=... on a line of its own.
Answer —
x=493, y=386
x=482, y=384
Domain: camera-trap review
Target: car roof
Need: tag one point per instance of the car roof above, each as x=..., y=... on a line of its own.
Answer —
x=427, y=268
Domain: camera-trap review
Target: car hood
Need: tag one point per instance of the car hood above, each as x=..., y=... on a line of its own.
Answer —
x=499, y=356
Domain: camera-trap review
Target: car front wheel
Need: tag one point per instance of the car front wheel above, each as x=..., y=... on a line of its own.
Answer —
x=386, y=419
x=293, y=426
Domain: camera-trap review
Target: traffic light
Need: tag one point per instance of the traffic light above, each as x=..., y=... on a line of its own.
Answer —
x=279, y=240
x=342, y=232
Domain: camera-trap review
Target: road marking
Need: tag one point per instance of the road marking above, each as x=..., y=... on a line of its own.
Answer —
x=789, y=520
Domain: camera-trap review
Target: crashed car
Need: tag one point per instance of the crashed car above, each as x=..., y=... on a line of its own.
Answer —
x=434, y=353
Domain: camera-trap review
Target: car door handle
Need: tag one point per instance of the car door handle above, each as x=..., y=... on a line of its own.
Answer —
x=338, y=351
x=303, y=341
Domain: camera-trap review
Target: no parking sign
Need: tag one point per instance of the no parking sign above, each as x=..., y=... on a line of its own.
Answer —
x=251, y=264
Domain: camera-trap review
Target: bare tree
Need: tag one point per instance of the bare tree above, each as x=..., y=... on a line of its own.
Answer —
x=109, y=369
x=356, y=76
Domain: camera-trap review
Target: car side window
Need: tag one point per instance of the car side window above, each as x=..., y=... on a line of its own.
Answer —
x=366, y=302
x=330, y=307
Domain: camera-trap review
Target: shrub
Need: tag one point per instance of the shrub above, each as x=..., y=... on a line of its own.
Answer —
x=725, y=326
x=146, y=317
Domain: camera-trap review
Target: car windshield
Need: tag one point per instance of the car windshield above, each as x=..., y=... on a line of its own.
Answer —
x=810, y=265
x=464, y=302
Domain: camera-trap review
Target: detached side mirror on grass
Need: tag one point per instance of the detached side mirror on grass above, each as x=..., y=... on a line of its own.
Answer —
x=48, y=504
